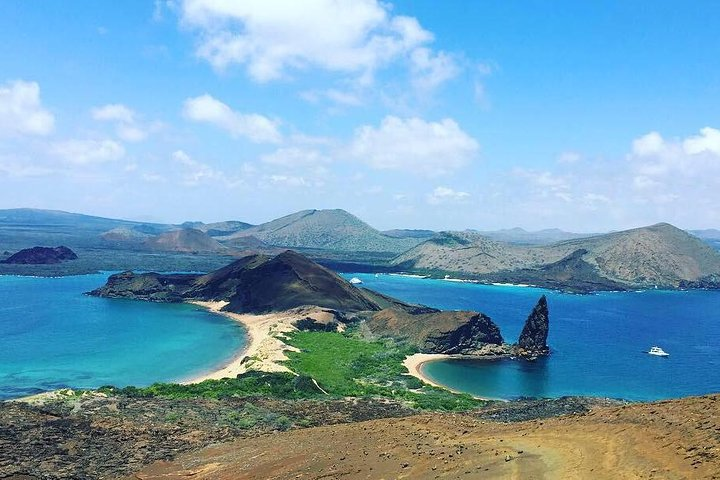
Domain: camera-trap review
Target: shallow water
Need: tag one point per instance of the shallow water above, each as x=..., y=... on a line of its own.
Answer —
x=598, y=341
x=53, y=336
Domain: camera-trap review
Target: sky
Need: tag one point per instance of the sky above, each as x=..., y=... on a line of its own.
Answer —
x=585, y=116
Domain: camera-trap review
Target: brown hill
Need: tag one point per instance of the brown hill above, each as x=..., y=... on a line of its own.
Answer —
x=660, y=255
x=252, y=284
x=335, y=230
x=184, y=240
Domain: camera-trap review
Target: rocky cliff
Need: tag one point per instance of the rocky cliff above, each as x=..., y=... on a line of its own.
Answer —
x=533, y=338
x=465, y=333
x=41, y=256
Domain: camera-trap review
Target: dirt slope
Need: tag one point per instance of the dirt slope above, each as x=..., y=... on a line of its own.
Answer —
x=669, y=440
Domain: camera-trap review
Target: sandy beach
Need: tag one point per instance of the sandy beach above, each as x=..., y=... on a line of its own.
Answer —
x=414, y=363
x=263, y=350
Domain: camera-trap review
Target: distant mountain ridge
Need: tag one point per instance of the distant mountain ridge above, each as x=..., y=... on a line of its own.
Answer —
x=184, y=240
x=327, y=230
x=659, y=255
x=524, y=237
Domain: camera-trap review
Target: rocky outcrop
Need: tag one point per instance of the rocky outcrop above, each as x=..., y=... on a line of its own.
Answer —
x=41, y=256
x=153, y=287
x=463, y=333
x=533, y=338
x=316, y=319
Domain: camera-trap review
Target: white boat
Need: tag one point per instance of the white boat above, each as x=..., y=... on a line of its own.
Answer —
x=658, y=352
x=355, y=281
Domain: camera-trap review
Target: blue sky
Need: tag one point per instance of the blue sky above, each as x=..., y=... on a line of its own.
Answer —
x=586, y=116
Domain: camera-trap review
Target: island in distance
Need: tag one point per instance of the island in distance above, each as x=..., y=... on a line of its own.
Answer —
x=657, y=256
x=41, y=256
x=259, y=284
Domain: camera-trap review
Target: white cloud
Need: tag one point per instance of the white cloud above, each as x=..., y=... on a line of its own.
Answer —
x=21, y=111
x=295, y=157
x=114, y=112
x=445, y=195
x=414, y=145
x=195, y=172
x=130, y=133
x=289, y=180
x=707, y=142
x=127, y=127
x=84, y=152
x=14, y=168
x=339, y=97
x=431, y=70
x=649, y=144
x=270, y=38
x=664, y=160
x=256, y=128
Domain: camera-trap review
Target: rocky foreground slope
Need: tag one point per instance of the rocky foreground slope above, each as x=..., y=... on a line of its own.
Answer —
x=153, y=438
x=660, y=256
x=665, y=440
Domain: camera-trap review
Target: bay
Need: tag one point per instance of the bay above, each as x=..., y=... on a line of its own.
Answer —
x=52, y=336
x=599, y=342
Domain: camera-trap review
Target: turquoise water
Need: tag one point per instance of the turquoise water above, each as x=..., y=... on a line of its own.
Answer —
x=53, y=336
x=598, y=341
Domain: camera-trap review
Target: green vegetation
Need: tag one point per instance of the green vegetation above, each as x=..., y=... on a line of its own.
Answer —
x=278, y=385
x=342, y=364
x=346, y=365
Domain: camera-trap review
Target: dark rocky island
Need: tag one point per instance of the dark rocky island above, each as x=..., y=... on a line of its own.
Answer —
x=41, y=256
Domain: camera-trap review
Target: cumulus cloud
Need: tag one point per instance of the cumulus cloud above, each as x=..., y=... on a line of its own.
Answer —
x=445, y=195
x=256, y=128
x=114, y=112
x=707, y=142
x=348, y=36
x=21, y=111
x=649, y=144
x=85, y=152
x=414, y=145
x=431, y=70
x=127, y=127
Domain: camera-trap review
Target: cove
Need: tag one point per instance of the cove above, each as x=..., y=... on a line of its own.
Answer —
x=599, y=342
x=52, y=336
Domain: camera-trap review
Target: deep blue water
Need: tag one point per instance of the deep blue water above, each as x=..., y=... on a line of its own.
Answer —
x=53, y=336
x=598, y=341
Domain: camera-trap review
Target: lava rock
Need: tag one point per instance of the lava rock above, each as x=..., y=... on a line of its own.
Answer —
x=41, y=256
x=533, y=338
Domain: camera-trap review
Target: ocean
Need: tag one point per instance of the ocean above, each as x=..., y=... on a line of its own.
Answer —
x=599, y=342
x=52, y=336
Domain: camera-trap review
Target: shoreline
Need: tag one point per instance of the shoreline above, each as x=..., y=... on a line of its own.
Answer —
x=415, y=362
x=262, y=351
